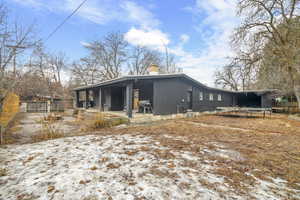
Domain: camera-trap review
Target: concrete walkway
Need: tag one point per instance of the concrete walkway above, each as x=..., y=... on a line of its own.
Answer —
x=29, y=125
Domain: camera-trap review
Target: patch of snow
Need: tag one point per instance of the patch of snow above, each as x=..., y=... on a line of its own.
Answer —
x=111, y=166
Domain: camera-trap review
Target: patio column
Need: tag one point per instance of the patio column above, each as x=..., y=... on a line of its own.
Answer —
x=77, y=99
x=86, y=99
x=100, y=99
x=129, y=96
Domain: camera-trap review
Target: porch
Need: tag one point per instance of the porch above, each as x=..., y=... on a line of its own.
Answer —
x=141, y=118
x=123, y=98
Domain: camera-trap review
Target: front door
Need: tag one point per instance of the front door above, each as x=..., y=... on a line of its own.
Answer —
x=190, y=100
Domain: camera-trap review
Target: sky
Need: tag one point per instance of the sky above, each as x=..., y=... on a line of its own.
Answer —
x=197, y=32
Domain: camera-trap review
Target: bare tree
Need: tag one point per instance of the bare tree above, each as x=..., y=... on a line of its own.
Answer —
x=57, y=64
x=14, y=40
x=48, y=67
x=271, y=22
x=86, y=71
x=141, y=58
x=110, y=54
x=170, y=64
x=238, y=75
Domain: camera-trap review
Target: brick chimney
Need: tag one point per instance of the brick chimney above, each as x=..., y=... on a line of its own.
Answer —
x=153, y=69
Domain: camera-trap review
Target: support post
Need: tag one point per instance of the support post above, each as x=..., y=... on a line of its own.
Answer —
x=100, y=99
x=77, y=99
x=1, y=135
x=86, y=99
x=129, y=96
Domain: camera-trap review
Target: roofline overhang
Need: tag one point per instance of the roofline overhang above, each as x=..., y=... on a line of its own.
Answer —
x=166, y=76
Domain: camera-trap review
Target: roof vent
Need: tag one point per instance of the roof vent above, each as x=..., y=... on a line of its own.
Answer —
x=153, y=69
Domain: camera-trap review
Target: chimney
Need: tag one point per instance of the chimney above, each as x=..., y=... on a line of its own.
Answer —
x=153, y=69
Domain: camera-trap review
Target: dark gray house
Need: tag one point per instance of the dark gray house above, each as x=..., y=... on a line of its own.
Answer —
x=166, y=93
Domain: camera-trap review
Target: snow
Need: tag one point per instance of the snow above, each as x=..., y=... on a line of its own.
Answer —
x=112, y=167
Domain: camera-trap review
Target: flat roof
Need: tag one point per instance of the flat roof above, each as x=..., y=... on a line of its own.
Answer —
x=137, y=77
x=162, y=76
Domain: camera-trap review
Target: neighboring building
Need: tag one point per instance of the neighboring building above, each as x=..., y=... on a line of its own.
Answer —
x=167, y=94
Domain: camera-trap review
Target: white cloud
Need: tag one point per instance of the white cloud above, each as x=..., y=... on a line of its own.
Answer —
x=215, y=30
x=85, y=44
x=33, y=3
x=100, y=11
x=150, y=38
x=139, y=15
x=184, y=38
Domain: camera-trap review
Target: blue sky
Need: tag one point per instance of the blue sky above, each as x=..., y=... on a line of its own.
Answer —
x=196, y=31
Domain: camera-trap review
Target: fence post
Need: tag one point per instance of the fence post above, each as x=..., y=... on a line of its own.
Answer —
x=1, y=135
x=48, y=106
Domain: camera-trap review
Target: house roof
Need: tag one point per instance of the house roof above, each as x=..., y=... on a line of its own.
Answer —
x=145, y=77
x=162, y=76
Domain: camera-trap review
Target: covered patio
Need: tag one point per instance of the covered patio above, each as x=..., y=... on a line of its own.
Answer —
x=124, y=96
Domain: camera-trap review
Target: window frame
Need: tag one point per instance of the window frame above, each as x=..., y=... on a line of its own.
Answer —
x=219, y=97
x=211, y=97
x=201, y=96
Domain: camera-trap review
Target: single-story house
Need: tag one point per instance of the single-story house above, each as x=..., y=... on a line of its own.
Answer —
x=166, y=94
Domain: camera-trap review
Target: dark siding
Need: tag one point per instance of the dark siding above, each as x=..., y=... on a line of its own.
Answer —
x=266, y=100
x=146, y=92
x=117, y=98
x=106, y=98
x=206, y=104
x=96, y=98
x=168, y=94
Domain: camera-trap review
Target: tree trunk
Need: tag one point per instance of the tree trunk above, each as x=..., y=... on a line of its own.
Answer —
x=297, y=93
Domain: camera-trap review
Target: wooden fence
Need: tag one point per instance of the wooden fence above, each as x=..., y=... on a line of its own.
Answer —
x=286, y=107
x=37, y=107
x=43, y=106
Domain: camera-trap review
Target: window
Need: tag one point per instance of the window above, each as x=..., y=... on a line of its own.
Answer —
x=201, y=96
x=219, y=97
x=188, y=97
x=211, y=97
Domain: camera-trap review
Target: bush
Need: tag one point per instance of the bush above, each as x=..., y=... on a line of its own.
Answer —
x=101, y=122
x=75, y=112
x=10, y=108
x=49, y=131
x=3, y=172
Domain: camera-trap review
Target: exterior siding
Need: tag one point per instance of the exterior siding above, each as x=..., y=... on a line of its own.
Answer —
x=170, y=94
x=206, y=104
x=266, y=100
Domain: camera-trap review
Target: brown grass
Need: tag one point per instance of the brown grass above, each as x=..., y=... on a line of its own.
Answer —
x=10, y=137
x=49, y=130
x=270, y=147
x=100, y=121
x=3, y=172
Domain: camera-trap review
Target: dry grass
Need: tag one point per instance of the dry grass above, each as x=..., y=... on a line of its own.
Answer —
x=100, y=121
x=10, y=137
x=3, y=172
x=270, y=147
x=49, y=130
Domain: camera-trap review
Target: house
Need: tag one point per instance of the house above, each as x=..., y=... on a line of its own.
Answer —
x=166, y=93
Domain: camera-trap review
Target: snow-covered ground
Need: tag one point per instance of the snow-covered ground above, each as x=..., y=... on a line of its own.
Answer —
x=115, y=167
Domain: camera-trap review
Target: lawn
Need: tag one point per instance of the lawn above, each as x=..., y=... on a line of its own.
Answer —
x=208, y=157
